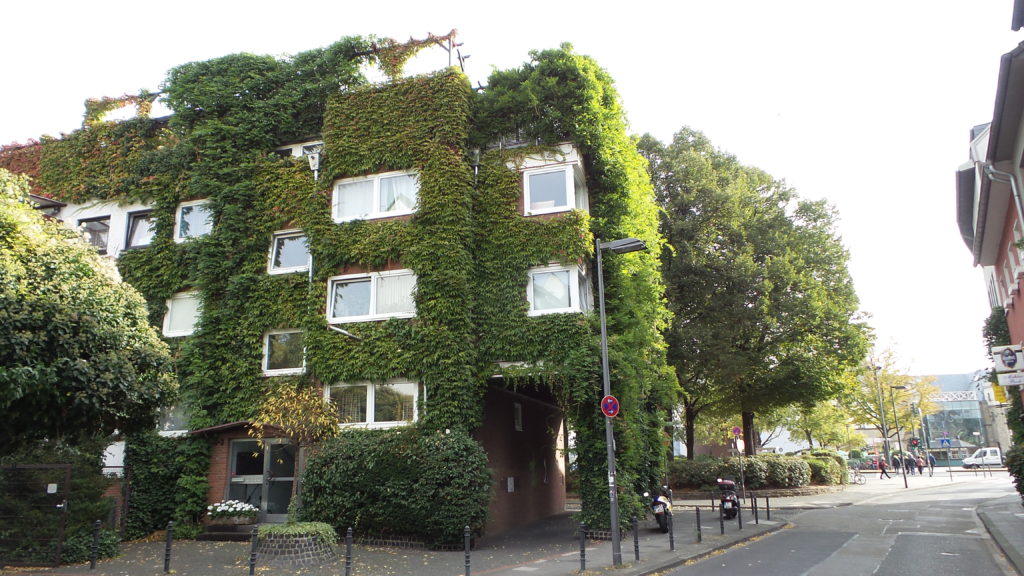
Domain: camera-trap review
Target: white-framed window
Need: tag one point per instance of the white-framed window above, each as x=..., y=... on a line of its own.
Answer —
x=283, y=353
x=192, y=219
x=139, y=229
x=375, y=404
x=375, y=296
x=549, y=190
x=96, y=232
x=182, y=314
x=377, y=196
x=556, y=289
x=289, y=252
x=554, y=182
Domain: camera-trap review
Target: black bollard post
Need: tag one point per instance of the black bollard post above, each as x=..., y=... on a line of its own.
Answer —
x=636, y=540
x=254, y=541
x=167, y=548
x=768, y=507
x=671, y=531
x=721, y=519
x=753, y=507
x=700, y=534
x=583, y=547
x=348, y=552
x=95, y=552
x=739, y=517
x=465, y=539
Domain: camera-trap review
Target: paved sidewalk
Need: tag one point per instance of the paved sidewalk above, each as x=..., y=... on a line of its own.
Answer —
x=551, y=547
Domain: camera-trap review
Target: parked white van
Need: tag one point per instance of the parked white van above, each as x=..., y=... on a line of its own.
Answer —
x=984, y=457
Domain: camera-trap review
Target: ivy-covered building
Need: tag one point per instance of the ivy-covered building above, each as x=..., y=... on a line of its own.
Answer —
x=420, y=251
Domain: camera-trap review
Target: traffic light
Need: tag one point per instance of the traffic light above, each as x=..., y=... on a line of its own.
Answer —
x=914, y=442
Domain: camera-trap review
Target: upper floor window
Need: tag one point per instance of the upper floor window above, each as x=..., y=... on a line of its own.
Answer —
x=140, y=229
x=96, y=231
x=375, y=404
x=182, y=314
x=289, y=252
x=376, y=296
x=283, y=353
x=554, y=182
x=377, y=196
x=193, y=219
x=556, y=289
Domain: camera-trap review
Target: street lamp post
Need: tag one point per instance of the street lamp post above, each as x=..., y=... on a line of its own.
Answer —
x=896, y=418
x=618, y=247
x=881, y=413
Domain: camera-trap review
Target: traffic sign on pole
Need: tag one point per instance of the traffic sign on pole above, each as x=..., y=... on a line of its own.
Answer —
x=610, y=406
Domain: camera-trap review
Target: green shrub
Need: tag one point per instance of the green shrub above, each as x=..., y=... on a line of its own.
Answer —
x=826, y=471
x=168, y=482
x=402, y=481
x=1015, y=464
x=761, y=471
x=78, y=546
x=323, y=531
x=856, y=454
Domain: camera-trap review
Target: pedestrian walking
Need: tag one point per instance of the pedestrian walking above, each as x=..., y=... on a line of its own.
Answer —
x=909, y=462
x=931, y=464
x=896, y=462
x=920, y=465
x=883, y=469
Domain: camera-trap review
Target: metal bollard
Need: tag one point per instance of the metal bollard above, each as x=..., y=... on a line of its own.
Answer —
x=583, y=547
x=252, y=550
x=167, y=548
x=739, y=517
x=753, y=507
x=465, y=539
x=768, y=507
x=671, y=532
x=348, y=552
x=721, y=519
x=636, y=540
x=700, y=534
x=95, y=552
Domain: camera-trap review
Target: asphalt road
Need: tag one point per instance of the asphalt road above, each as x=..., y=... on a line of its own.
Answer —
x=930, y=532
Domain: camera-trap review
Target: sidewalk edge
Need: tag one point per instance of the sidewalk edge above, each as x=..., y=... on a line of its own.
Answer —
x=1013, y=555
x=677, y=562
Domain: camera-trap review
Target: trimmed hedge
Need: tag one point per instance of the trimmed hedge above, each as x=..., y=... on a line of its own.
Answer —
x=1015, y=464
x=761, y=471
x=399, y=482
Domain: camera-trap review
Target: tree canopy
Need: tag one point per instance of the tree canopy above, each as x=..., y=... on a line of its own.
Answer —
x=765, y=314
x=78, y=357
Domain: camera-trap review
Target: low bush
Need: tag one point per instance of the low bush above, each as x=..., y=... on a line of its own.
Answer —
x=1015, y=464
x=399, y=482
x=761, y=471
x=78, y=546
x=826, y=471
x=321, y=530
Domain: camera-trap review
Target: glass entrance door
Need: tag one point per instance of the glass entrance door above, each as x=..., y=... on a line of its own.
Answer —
x=265, y=482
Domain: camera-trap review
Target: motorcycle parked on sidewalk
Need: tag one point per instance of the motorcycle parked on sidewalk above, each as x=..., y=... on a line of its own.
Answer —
x=661, y=505
x=729, y=502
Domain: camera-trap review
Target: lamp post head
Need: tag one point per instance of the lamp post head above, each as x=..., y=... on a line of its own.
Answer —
x=623, y=246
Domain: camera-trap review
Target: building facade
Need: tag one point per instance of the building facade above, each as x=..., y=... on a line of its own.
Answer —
x=415, y=258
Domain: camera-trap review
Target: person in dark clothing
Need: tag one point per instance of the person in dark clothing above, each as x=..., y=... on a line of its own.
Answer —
x=910, y=463
x=931, y=464
x=883, y=469
x=896, y=462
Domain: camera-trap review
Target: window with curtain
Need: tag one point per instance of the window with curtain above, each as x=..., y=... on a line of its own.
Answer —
x=376, y=196
x=375, y=296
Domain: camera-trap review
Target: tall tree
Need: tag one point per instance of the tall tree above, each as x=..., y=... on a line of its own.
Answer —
x=765, y=314
x=78, y=357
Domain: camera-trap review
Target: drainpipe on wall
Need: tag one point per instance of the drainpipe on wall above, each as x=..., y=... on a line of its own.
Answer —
x=1007, y=178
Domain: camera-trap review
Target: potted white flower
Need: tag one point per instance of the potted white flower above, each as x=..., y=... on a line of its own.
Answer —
x=231, y=512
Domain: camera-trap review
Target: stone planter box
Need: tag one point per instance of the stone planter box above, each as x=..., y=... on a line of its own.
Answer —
x=294, y=550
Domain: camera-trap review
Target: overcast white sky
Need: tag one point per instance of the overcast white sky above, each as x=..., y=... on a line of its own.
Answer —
x=866, y=104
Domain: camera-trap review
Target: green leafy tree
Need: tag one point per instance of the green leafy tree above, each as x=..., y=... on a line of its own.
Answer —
x=997, y=333
x=78, y=357
x=765, y=313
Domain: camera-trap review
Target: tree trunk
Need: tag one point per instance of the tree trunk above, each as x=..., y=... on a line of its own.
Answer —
x=810, y=439
x=748, y=433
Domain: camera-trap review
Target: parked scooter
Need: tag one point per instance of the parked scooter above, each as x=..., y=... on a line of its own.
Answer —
x=661, y=505
x=730, y=502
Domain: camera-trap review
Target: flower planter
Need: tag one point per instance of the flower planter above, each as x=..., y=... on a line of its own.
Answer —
x=231, y=521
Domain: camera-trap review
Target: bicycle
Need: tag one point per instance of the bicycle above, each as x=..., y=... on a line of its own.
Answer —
x=856, y=477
